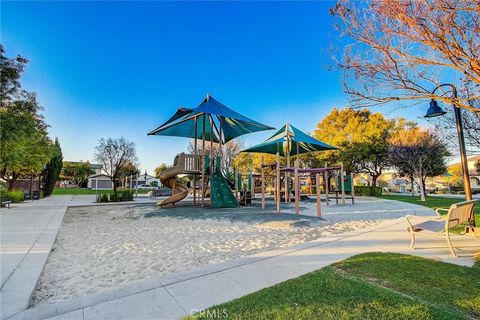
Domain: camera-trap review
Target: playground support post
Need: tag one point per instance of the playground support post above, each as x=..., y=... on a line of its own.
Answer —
x=196, y=162
x=236, y=183
x=352, y=188
x=326, y=186
x=203, y=162
x=278, y=186
x=297, y=191
x=286, y=175
x=319, y=201
x=263, y=183
x=342, y=182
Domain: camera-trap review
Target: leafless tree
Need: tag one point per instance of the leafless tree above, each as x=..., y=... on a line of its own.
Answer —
x=114, y=155
x=401, y=50
x=418, y=154
x=230, y=151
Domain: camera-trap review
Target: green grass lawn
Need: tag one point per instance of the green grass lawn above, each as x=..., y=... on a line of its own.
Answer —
x=366, y=286
x=82, y=191
x=434, y=202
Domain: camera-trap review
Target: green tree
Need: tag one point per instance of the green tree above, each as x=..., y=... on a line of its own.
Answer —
x=362, y=139
x=24, y=145
x=158, y=170
x=77, y=172
x=129, y=169
x=52, y=170
x=11, y=71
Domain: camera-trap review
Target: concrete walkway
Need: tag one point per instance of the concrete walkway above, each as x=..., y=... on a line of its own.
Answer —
x=28, y=231
x=176, y=295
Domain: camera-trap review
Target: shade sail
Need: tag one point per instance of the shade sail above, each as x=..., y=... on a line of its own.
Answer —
x=290, y=141
x=216, y=115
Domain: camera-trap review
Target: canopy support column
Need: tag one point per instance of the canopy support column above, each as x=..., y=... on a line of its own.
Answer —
x=352, y=188
x=342, y=183
x=263, y=183
x=287, y=175
x=297, y=191
x=221, y=141
x=278, y=182
x=326, y=185
x=319, y=200
x=203, y=162
x=197, y=163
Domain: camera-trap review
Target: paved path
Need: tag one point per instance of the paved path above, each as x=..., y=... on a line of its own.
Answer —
x=28, y=231
x=177, y=295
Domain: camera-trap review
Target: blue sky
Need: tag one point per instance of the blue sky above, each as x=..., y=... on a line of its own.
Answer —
x=104, y=69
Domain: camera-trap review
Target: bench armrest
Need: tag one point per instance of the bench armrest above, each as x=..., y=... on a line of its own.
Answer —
x=441, y=209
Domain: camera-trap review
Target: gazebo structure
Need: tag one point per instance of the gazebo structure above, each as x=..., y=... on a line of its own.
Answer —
x=211, y=122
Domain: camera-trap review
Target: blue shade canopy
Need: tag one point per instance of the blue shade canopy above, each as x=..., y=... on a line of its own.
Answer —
x=289, y=141
x=216, y=115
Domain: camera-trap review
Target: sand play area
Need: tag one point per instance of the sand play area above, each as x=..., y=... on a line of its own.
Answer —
x=102, y=247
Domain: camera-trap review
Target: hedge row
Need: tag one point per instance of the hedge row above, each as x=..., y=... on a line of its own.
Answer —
x=367, y=191
x=116, y=196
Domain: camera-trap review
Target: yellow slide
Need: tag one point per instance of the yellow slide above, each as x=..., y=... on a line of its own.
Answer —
x=168, y=178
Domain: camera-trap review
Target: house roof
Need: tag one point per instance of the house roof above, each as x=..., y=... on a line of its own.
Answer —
x=98, y=176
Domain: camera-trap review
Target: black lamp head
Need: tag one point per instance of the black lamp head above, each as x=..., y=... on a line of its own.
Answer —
x=434, y=110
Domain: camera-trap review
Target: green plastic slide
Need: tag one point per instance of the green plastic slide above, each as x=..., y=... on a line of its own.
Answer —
x=220, y=193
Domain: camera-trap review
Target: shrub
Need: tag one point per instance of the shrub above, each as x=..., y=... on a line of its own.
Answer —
x=116, y=196
x=15, y=195
x=126, y=195
x=368, y=191
x=102, y=197
x=113, y=197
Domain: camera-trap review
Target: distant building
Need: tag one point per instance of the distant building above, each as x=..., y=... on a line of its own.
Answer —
x=98, y=180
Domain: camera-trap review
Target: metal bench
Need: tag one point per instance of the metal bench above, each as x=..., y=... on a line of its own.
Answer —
x=6, y=204
x=458, y=214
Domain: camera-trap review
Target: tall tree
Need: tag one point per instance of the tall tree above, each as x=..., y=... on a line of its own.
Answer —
x=400, y=50
x=418, y=154
x=24, y=143
x=129, y=169
x=361, y=136
x=113, y=155
x=77, y=172
x=52, y=170
x=11, y=71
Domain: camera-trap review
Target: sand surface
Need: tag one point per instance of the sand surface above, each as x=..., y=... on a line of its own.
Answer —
x=111, y=246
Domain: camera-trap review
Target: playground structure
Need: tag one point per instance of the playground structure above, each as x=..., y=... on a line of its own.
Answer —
x=211, y=122
x=214, y=123
x=331, y=182
x=287, y=142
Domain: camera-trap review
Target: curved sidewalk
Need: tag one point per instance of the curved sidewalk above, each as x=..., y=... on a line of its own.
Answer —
x=176, y=295
x=28, y=231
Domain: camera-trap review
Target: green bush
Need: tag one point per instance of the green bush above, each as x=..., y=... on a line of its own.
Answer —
x=116, y=196
x=102, y=197
x=15, y=195
x=368, y=191
x=126, y=195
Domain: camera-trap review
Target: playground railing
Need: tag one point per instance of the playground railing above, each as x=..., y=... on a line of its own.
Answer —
x=192, y=163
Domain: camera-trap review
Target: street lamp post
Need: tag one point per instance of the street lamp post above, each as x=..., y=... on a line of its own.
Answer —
x=434, y=111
